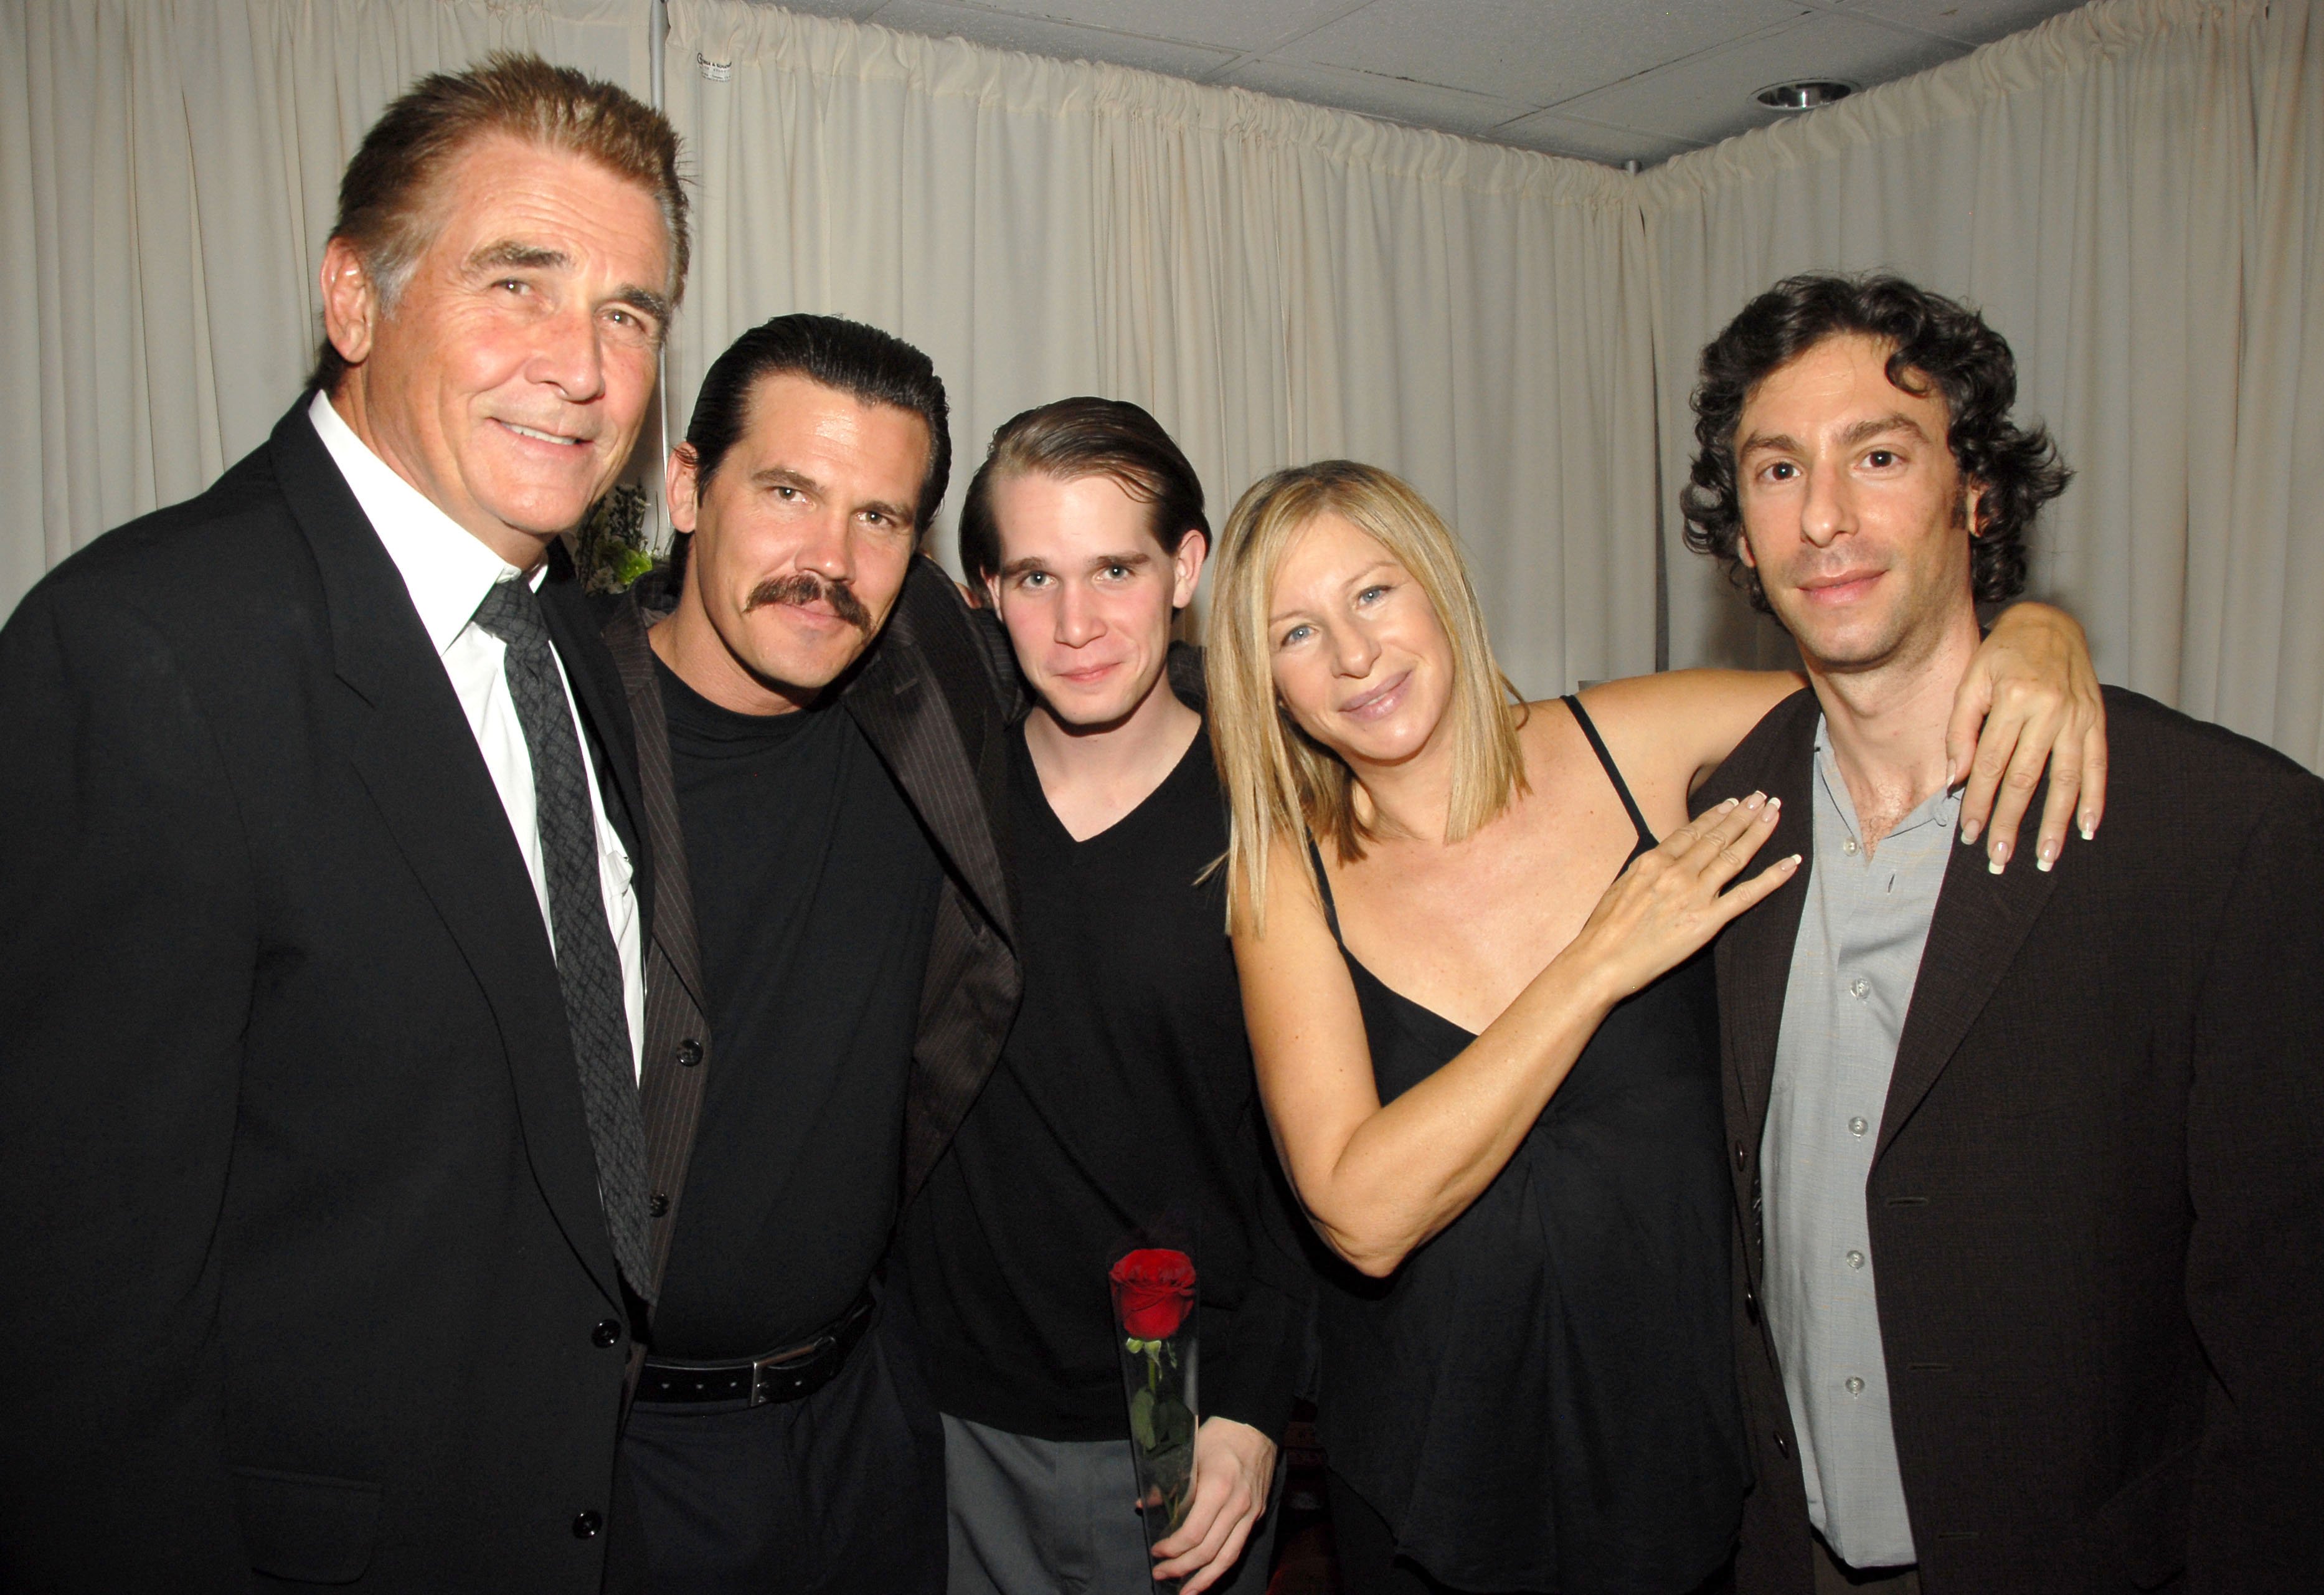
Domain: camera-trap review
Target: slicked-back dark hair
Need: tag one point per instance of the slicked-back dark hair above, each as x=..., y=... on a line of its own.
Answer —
x=387, y=193
x=1931, y=340
x=871, y=366
x=1072, y=439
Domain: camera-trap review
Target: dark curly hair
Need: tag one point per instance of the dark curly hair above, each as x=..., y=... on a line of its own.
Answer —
x=1932, y=339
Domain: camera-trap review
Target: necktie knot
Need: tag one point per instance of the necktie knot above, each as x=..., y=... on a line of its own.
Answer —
x=512, y=612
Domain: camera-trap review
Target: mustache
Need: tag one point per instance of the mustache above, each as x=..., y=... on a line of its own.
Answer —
x=804, y=586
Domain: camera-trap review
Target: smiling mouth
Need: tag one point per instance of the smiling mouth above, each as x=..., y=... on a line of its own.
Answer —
x=1838, y=589
x=540, y=437
x=1380, y=701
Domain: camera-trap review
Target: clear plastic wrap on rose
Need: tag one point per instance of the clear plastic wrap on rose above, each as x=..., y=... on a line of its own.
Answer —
x=1155, y=1320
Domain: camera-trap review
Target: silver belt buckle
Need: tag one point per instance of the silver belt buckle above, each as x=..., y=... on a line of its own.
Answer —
x=782, y=1362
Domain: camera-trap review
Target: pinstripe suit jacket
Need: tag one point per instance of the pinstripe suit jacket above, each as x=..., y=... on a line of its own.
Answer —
x=928, y=696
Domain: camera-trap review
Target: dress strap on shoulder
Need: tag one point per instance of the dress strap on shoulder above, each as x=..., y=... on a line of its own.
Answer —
x=1323, y=885
x=1647, y=838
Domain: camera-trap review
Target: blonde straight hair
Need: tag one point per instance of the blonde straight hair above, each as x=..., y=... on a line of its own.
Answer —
x=1281, y=784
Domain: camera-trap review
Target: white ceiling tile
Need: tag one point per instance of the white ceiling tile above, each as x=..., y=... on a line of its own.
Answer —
x=1554, y=134
x=1421, y=105
x=1709, y=96
x=1971, y=22
x=1233, y=25
x=1040, y=36
x=1532, y=51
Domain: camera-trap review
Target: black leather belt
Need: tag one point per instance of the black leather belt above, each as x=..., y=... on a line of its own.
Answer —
x=789, y=1375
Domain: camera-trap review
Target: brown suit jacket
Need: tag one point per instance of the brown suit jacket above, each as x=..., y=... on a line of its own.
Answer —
x=928, y=700
x=2097, y=1207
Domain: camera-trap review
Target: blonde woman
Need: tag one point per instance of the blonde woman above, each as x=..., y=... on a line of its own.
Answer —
x=1486, y=1035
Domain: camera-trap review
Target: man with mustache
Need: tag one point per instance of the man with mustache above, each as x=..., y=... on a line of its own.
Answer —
x=2030, y=1165
x=322, y=1199
x=829, y=972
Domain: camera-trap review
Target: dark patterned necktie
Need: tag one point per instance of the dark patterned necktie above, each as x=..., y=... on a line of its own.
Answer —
x=588, y=968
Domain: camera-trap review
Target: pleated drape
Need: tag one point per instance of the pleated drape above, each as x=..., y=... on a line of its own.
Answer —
x=2132, y=192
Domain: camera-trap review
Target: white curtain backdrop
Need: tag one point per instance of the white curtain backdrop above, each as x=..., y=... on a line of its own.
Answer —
x=168, y=170
x=1276, y=282
x=2132, y=192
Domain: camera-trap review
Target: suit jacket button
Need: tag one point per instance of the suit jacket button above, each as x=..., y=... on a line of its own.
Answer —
x=1751, y=1307
x=657, y=1204
x=1741, y=1157
x=605, y=1334
x=690, y=1053
x=1783, y=1447
x=586, y=1526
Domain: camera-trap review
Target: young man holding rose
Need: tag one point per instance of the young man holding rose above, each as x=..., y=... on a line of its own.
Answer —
x=1122, y=1114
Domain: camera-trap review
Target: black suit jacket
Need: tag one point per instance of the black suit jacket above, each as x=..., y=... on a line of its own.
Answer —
x=302, y=1267
x=2097, y=1207
x=926, y=696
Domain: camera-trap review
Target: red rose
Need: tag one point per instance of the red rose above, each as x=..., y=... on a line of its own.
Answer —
x=1152, y=1291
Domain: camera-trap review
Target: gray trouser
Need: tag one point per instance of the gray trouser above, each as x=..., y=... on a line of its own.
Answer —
x=1031, y=1516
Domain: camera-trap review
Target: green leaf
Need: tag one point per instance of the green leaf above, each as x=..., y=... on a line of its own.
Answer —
x=1141, y=1419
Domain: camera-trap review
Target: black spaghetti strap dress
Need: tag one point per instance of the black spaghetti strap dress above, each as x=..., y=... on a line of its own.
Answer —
x=1542, y=1398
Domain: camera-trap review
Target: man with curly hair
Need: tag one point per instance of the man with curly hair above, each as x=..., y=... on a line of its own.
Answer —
x=2027, y=1163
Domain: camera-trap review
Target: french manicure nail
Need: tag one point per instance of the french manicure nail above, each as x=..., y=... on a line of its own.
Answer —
x=2089, y=832
x=1969, y=829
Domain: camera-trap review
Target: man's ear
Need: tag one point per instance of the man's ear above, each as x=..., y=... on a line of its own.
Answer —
x=1973, y=508
x=1743, y=549
x=1194, y=548
x=993, y=591
x=681, y=487
x=350, y=306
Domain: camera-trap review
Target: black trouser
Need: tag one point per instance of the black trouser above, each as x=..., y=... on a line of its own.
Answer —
x=839, y=1491
x=1366, y=1547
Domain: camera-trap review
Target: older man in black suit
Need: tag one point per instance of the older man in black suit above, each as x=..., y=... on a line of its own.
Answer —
x=2030, y=1161
x=326, y=1217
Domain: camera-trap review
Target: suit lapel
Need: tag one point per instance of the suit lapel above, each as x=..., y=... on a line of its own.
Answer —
x=1755, y=952
x=674, y=931
x=411, y=744
x=1980, y=921
x=605, y=712
x=922, y=681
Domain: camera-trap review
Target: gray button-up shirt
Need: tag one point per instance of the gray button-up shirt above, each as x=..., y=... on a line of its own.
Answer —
x=1862, y=929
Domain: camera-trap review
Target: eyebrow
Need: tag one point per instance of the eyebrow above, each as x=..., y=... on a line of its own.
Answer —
x=511, y=254
x=1862, y=432
x=1280, y=615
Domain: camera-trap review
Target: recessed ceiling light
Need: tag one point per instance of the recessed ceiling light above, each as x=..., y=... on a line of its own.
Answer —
x=1806, y=94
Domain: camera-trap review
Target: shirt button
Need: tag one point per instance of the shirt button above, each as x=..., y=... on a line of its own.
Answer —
x=657, y=1204
x=1855, y=1385
x=587, y=1525
x=1856, y=1259
x=690, y=1053
x=1848, y=845
x=1856, y=1127
x=606, y=1333
x=1861, y=987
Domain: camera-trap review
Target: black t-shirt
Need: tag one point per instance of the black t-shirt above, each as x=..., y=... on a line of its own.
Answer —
x=1123, y=1108
x=815, y=897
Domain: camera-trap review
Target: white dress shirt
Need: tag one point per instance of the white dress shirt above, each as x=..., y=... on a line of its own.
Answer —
x=447, y=571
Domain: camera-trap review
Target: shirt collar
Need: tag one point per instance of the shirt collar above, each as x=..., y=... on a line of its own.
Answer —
x=446, y=568
x=1940, y=809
